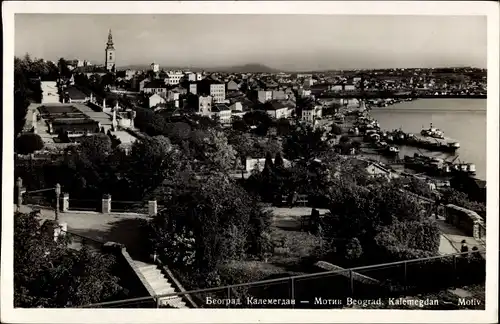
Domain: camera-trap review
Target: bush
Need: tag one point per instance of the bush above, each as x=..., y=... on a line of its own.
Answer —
x=28, y=143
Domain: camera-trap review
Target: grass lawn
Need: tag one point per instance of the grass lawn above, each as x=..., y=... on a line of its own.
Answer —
x=290, y=249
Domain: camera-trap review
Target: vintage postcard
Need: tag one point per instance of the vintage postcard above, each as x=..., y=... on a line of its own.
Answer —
x=219, y=162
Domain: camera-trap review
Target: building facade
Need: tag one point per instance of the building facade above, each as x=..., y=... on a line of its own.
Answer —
x=174, y=78
x=110, y=53
x=205, y=105
x=218, y=92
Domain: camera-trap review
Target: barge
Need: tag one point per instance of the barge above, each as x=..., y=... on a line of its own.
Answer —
x=438, y=167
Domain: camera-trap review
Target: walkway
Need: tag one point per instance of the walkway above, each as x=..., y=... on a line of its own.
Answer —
x=122, y=228
x=451, y=239
x=116, y=227
x=290, y=218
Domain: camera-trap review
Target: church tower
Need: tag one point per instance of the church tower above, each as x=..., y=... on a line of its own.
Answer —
x=110, y=53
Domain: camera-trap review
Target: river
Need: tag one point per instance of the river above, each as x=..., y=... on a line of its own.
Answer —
x=461, y=119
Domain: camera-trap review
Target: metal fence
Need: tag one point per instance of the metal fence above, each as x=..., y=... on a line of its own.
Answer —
x=403, y=278
x=94, y=205
x=129, y=206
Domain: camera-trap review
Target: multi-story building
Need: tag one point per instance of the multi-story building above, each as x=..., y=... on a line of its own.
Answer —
x=276, y=109
x=311, y=113
x=193, y=87
x=155, y=86
x=267, y=95
x=264, y=96
x=174, y=77
x=223, y=112
x=218, y=92
x=205, y=105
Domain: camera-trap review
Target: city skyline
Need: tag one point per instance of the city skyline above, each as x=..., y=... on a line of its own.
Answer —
x=282, y=42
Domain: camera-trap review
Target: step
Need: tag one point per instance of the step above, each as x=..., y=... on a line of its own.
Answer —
x=158, y=284
x=174, y=302
x=152, y=275
x=165, y=290
x=149, y=269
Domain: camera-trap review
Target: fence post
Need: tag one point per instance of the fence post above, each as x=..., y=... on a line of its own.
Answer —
x=58, y=197
x=20, y=191
x=292, y=291
x=454, y=269
x=152, y=208
x=106, y=204
x=229, y=297
x=65, y=203
x=351, y=280
x=158, y=302
x=406, y=275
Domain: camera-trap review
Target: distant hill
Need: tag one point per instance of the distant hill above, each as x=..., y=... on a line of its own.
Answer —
x=247, y=68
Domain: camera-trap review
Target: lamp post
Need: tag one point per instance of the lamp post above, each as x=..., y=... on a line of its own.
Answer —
x=58, y=193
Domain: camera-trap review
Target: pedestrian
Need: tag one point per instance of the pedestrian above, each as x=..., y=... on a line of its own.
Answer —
x=295, y=196
x=464, y=247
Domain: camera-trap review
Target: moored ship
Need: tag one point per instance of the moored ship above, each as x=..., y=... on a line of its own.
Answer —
x=437, y=166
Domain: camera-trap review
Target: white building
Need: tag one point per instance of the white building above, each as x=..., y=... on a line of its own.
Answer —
x=218, y=92
x=205, y=105
x=223, y=112
x=304, y=93
x=174, y=78
x=155, y=67
x=156, y=100
x=311, y=114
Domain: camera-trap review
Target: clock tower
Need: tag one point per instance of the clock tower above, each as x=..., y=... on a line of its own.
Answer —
x=110, y=54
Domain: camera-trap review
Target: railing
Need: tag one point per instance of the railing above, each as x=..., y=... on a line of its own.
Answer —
x=403, y=278
x=85, y=205
x=129, y=206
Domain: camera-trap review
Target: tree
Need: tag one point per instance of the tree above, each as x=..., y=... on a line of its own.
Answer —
x=213, y=151
x=239, y=124
x=152, y=162
x=278, y=161
x=365, y=211
x=63, y=68
x=353, y=249
x=304, y=142
x=29, y=143
x=216, y=224
x=48, y=273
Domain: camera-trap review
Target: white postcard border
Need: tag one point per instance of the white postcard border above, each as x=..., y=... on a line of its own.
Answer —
x=489, y=9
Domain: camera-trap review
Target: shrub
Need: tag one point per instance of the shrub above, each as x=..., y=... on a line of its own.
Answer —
x=28, y=143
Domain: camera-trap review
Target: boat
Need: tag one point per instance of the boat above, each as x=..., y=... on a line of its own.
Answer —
x=386, y=149
x=439, y=167
x=432, y=132
x=429, y=165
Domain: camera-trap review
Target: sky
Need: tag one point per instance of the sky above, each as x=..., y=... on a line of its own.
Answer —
x=285, y=42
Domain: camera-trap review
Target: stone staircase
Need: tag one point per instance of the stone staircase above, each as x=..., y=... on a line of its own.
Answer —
x=160, y=284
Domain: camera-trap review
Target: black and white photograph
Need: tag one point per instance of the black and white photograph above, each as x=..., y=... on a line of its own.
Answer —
x=249, y=157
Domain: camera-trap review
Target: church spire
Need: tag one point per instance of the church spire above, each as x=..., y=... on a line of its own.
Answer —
x=110, y=40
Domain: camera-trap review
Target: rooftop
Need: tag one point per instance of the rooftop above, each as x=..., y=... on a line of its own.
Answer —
x=75, y=94
x=155, y=84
